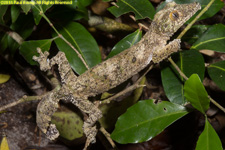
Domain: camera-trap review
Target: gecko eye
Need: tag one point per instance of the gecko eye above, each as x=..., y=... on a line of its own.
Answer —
x=174, y=15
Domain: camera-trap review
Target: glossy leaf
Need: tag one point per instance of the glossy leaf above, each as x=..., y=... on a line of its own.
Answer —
x=4, y=78
x=195, y=33
x=29, y=48
x=217, y=73
x=213, y=9
x=212, y=39
x=85, y=44
x=209, y=140
x=141, y=8
x=15, y=12
x=189, y=62
x=69, y=124
x=36, y=12
x=145, y=120
x=126, y=43
x=195, y=93
x=3, y=9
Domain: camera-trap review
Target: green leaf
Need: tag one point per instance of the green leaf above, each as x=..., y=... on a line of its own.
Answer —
x=195, y=93
x=22, y=28
x=83, y=3
x=217, y=73
x=212, y=39
x=85, y=44
x=3, y=9
x=3, y=43
x=141, y=8
x=36, y=12
x=67, y=13
x=213, y=9
x=29, y=48
x=145, y=120
x=4, y=78
x=26, y=8
x=69, y=124
x=209, y=140
x=15, y=12
x=195, y=33
x=189, y=62
x=4, y=144
x=126, y=43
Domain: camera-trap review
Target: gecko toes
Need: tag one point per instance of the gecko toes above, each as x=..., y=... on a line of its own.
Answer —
x=52, y=133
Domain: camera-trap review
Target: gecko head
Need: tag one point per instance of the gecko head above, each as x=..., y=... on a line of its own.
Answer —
x=168, y=20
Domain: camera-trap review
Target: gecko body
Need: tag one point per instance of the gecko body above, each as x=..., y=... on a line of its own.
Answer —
x=112, y=72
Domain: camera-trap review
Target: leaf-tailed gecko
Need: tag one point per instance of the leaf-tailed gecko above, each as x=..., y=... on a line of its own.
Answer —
x=112, y=72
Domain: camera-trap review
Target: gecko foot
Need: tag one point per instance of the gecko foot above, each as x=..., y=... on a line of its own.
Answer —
x=52, y=133
x=42, y=60
x=90, y=133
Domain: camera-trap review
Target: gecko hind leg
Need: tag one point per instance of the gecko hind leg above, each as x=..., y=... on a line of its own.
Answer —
x=66, y=73
x=46, y=108
x=94, y=114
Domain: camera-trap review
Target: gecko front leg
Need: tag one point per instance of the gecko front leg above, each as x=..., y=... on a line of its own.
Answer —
x=65, y=71
x=166, y=51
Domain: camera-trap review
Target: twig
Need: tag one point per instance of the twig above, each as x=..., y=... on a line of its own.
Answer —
x=21, y=100
x=107, y=135
x=15, y=36
x=186, y=78
x=12, y=34
x=26, y=98
x=61, y=36
x=79, y=55
x=217, y=104
x=177, y=68
x=131, y=88
x=185, y=30
x=180, y=36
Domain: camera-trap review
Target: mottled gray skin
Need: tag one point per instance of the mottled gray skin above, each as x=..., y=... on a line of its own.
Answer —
x=153, y=46
x=112, y=72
